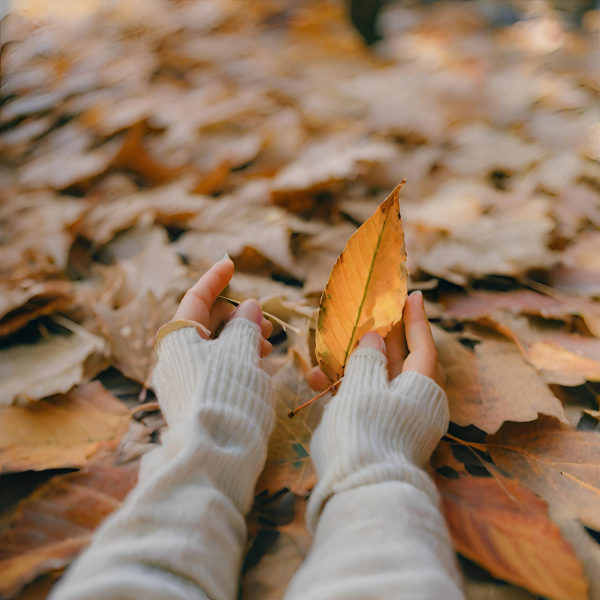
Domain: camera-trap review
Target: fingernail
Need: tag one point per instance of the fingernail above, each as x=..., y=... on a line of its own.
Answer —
x=372, y=340
x=248, y=309
x=418, y=293
x=226, y=257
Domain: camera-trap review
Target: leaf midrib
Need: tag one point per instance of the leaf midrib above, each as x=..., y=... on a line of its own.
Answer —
x=360, y=308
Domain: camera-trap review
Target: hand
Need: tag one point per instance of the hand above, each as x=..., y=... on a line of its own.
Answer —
x=202, y=304
x=409, y=346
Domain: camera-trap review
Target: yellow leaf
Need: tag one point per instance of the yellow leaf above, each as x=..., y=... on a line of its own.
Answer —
x=367, y=287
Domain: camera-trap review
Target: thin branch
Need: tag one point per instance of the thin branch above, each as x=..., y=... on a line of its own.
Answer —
x=333, y=386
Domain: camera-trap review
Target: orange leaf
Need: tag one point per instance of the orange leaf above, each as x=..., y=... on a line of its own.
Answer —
x=505, y=528
x=560, y=464
x=493, y=384
x=60, y=432
x=367, y=287
x=48, y=529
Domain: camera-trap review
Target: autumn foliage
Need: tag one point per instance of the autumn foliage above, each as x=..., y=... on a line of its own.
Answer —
x=141, y=140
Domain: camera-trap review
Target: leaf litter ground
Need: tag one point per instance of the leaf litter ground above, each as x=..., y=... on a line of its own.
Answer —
x=143, y=140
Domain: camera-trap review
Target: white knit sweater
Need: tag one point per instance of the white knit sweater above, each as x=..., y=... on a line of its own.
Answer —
x=181, y=532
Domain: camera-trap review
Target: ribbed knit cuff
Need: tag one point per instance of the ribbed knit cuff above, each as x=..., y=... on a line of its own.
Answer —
x=181, y=356
x=218, y=404
x=374, y=431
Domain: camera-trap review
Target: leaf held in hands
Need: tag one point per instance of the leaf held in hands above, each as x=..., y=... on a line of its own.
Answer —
x=367, y=287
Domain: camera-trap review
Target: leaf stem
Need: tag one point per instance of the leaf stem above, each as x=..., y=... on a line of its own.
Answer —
x=333, y=386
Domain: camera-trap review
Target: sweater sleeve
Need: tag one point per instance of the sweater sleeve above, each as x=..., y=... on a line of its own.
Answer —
x=181, y=532
x=374, y=513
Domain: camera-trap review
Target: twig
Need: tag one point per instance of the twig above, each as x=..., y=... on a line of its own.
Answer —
x=333, y=386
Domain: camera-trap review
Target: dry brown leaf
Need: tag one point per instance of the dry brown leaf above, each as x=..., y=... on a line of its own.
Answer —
x=131, y=331
x=443, y=457
x=481, y=149
x=35, y=234
x=509, y=244
x=277, y=563
x=288, y=460
x=558, y=463
x=505, y=528
x=47, y=530
x=26, y=301
x=476, y=590
x=478, y=305
x=168, y=205
x=53, y=365
x=236, y=225
x=134, y=157
x=580, y=268
x=367, y=287
x=493, y=384
x=560, y=356
x=322, y=166
x=60, y=432
x=68, y=159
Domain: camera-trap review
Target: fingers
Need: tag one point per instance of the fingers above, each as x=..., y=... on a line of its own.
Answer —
x=423, y=354
x=252, y=310
x=317, y=380
x=248, y=309
x=198, y=301
x=396, y=349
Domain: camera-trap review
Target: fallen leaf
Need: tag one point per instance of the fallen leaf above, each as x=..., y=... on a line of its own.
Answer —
x=53, y=365
x=558, y=463
x=279, y=550
x=493, y=384
x=59, y=432
x=443, y=457
x=475, y=590
x=505, y=528
x=234, y=225
x=507, y=244
x=480, y=304
x=168, y=205
x=288, y=462
x=26, y=301
x=47, y=530
x=564, y=366
x=481, y=149
x=559, y=355
x=68, y=158
x=133, y=156
x=131, y=332
x=367, y=287
x=35, y=233
x=322, y=166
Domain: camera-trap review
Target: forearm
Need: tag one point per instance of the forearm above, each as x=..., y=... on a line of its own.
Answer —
x=181, y=533
x=384, y=541
x=378, y=529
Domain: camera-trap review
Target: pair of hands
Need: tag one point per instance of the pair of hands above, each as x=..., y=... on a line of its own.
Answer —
x=409, y=346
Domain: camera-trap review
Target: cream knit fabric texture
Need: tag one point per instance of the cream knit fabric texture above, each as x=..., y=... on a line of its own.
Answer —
x=181, y=532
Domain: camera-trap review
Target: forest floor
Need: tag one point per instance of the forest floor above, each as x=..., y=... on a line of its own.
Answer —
x=140, y=141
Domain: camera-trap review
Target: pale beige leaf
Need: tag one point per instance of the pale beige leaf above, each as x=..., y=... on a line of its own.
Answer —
x=53, y=365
